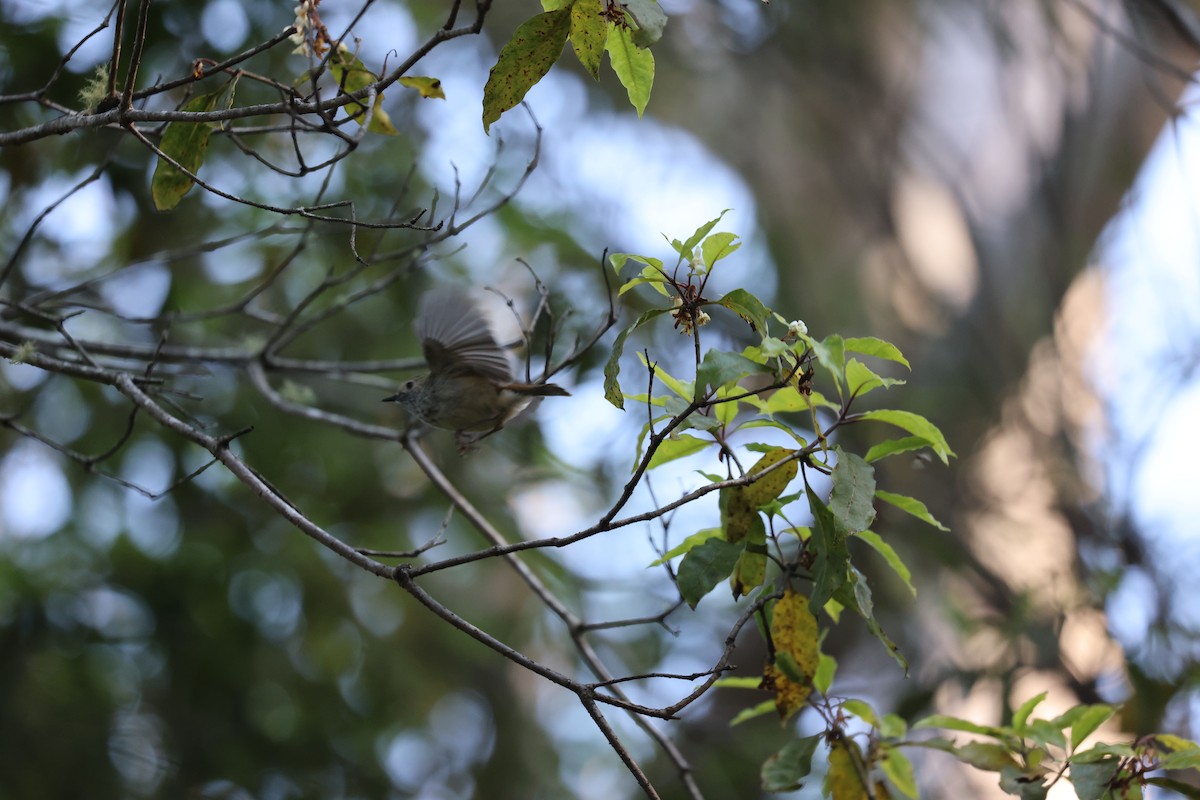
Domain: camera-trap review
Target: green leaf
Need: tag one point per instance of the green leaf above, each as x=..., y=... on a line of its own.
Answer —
x=695, y=540
x=652, y=275
x=1044, y=733
x=754, y=711
x=789, y=399
x=618, y=261
x=1068, y=717
x=738, y=682
x=831, y=558
x=746, y=306
x=1185, y=789
x=677, y=386
x=726, y=411
x=1022, y=783
x=893, y=446
x=650, y=20
x=862, y=710
x=899, y=770
x=524, y=61
x=870, y=346
x=187, y=143
x=633, y=65
x=831, y=354
x=1092, y=718
x=656, y=282
x=876, y=542
x=677, y=406
x=910, y=505
x=589, y=32
x=760, y=710
x=789, y=669
x=916, y=425
x=893, y=726
x=771, y=347
x=852, y=500
x=684, y=249
x=985, y=755
x=856, y=594
x=862, y=380
x=704, y=567
x=1182, y=759
x=1174, y=743
x=826, y=669
x=718, y=246
x=784, y=771
x=719, y=368
x=612, y=387
x=1101, y=751
x=428, y=87
x=351, y=75
x=676, y=447
x=1021, y=715
x=956, y=724
x=767, y=423
x=1090, y=781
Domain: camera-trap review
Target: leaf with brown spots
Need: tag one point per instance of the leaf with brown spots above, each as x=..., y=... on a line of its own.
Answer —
x=523, y=61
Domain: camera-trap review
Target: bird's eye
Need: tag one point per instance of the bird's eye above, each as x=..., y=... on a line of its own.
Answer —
x=409, y=384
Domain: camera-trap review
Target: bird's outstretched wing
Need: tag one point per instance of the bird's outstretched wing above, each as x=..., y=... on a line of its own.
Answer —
x=456, y=338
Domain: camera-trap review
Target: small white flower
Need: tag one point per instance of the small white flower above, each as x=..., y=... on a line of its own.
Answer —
x=301, y=24
x=702, y=318
x=797, y=328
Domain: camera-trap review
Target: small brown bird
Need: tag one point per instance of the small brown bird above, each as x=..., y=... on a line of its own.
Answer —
x=469, y=388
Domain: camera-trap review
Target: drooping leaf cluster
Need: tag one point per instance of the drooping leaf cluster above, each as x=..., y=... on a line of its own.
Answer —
x=788, y=549
x=623, y=30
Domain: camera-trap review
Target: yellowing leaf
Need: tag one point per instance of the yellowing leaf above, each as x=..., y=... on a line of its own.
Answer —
x=380, y=121
x=633, y=65
x=186, y=142
x=428, y=87
x=899, y=771
x=751, y=569
x=589, y=32
x=524, y=61
x=351, y=75
x=737, y=515
x=795, y=636
x=771, y=485
x=842, y=781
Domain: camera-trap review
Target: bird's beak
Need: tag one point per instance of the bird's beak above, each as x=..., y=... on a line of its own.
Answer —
x=393, y=399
